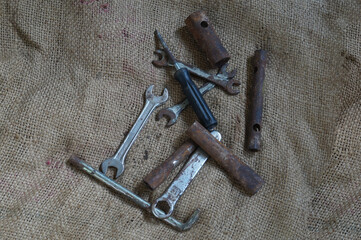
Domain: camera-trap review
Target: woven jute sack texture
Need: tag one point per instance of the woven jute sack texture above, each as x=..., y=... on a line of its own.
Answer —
x=72, y=81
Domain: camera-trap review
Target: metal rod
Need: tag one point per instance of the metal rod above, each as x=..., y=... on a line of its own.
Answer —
x=254, y=123
x=80, y=164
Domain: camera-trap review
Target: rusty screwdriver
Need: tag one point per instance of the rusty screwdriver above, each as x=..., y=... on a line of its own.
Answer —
x=191, y=91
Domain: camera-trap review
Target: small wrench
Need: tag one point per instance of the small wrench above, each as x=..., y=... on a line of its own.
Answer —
x=173, y=112
x=182, y=181
x=222, y=78
x=117, y=161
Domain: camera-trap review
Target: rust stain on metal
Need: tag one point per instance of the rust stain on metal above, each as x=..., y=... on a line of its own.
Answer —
x=254, y=125
x=159, y=174
x=238, y=170
x=222, y=78
x=203, y=32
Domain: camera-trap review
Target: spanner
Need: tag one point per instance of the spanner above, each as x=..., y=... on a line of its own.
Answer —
x=182, y=181
x=173, y=112
x=117, y=161
x=180, y=226
x=222, y=78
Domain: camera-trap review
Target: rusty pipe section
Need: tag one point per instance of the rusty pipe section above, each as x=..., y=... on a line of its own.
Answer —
x=238, y=170
x=254, y=125
x=159, y=174
x=203, y=32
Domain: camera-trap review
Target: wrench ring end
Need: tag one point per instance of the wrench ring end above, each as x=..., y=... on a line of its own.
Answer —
x=159, y=213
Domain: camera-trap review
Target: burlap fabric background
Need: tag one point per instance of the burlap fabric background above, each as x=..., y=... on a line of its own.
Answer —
x=72, y=79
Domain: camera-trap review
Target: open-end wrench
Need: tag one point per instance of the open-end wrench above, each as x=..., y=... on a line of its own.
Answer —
x=173, y=112
x=80, y=164
x=182, y=181
x=222, y=78
x=117, y=161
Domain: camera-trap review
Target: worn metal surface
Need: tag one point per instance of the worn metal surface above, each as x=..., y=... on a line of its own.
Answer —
x=172, y=113
x=254, y=125
x=182, y=181
x=222, y=78
x=195, y=98
x=171, y=58
x=80, y=164
x=238, y=170
x=203, y=32
x=159, y=174
x=117, y=161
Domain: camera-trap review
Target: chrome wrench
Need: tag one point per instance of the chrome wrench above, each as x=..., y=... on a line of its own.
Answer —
x=182, y=181
x=173, y=112
x=222, y=78
x=80, y=164
x=117, y=161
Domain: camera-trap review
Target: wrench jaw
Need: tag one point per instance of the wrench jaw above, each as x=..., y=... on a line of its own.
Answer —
x=162, y=62
x=159, y=100
x=232, y=83
x=223, y=71
x=172, y=118
x=110, y=162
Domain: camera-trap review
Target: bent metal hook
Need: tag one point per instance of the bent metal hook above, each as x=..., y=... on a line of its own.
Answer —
x=80, y=164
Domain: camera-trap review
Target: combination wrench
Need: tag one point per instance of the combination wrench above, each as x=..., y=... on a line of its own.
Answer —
x=180, y=226
x=182, y=181
x=173, y=112
x=222, y=78
x=117, y=161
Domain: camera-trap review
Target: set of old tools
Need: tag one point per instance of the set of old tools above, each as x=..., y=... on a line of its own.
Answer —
x=205, y=141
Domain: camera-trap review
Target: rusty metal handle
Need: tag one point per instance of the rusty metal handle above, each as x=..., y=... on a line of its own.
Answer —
x=205, y=35
x=238, y=170
x=159, y=174
x=254, y=125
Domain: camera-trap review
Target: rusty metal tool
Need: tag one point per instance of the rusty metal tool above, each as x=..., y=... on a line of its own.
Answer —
x=159, y=174
x=222, y=78
x=117, y=161
x=254, y=125
x=182, y=181
x=194, y=97
x=80, y=164
x=238, y=170
x=203, y=32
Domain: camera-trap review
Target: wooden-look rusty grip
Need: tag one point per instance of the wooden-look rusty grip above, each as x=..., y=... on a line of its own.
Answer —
x=159, y=174
x=203, y=32
x=239, y=171
x=254, y=125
